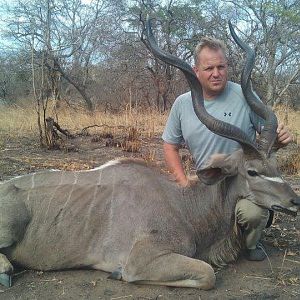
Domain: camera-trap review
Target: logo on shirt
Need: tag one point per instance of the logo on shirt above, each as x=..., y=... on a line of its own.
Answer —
x=227, y=114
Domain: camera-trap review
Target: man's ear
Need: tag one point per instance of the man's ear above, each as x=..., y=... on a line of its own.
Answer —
x=195, y=69
x=219, y=166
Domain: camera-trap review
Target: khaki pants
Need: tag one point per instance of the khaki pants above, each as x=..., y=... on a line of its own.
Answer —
x=252, y=219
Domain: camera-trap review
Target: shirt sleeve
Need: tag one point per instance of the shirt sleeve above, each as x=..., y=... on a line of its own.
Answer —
x=173, y=133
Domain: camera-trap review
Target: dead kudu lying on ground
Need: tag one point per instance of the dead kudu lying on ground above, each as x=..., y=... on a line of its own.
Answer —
x=128, y=219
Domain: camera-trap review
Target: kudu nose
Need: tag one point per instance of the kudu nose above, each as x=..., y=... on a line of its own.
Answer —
x=296, y=201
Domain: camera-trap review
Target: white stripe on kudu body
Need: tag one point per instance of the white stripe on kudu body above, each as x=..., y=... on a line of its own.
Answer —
x=72, y=189
x=53, y=193
x=108, y=164
x=274, y=179
x=32, y=186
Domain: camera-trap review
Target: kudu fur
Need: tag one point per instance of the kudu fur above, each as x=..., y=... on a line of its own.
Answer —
x=129, y=219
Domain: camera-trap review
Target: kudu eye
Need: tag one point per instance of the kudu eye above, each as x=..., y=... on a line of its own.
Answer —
x=252, y=173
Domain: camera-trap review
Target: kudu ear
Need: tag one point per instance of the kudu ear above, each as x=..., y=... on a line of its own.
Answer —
x=218, y=167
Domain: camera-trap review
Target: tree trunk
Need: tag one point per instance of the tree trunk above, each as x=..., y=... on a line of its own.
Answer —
x=80, y=90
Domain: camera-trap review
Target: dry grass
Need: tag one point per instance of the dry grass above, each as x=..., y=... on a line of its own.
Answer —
x=20, y=121
x=290, y=118
x=17, y=121
x=289, y=163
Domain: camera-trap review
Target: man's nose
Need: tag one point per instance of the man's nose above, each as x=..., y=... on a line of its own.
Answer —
x=216, y=72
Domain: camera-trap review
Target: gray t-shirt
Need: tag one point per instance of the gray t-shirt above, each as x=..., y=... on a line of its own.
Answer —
x=183, y=126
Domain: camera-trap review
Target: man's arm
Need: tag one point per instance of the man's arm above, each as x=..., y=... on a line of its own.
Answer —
x=174, y=163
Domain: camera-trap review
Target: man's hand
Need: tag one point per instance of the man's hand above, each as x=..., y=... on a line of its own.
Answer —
x=284, y=137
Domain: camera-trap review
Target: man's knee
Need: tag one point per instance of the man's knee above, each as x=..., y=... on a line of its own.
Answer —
x=250, y=215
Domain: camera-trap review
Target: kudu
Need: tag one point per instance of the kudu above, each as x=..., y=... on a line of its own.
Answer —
x=129, y=219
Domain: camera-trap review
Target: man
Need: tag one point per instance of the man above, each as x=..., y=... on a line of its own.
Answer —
x=224, y=100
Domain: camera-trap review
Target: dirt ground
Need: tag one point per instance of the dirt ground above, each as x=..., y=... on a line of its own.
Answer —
x=278, y=277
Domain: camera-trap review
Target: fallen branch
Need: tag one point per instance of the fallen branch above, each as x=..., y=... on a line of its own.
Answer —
x=63, y=131
x=84, y=130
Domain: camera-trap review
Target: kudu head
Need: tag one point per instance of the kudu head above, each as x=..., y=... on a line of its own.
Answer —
x=255, y=163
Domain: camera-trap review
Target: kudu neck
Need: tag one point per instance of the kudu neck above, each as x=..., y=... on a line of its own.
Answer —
x=210, y=210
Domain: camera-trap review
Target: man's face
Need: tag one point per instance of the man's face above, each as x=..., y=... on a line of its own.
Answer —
x=212, y=71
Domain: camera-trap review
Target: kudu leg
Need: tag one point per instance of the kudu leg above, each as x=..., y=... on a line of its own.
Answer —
x=170, y=269
x=14, y=218
x=5, y=265
x=6, y=269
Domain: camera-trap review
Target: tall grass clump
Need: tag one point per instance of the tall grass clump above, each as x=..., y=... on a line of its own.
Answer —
x=16, y=121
